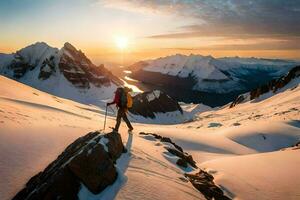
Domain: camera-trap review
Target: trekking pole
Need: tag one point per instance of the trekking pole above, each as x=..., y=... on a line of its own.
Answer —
x=105, y=118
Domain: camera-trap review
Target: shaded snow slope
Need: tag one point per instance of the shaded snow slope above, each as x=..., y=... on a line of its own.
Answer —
x=261, y=176
x=34, y=128
x=240, y=146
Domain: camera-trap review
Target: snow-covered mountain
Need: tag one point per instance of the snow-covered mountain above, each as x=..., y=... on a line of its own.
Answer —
x=207, y=76
x=242, y=149
x=64, y=72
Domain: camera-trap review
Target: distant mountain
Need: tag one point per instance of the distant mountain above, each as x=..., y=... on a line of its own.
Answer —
x=287, y=81
x=64, y=72
x=208, y=80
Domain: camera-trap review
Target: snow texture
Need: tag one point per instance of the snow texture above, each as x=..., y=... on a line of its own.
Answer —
x=153, y=95
x=244, y=152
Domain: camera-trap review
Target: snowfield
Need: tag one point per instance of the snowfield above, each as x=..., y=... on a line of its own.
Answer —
x=242, y=147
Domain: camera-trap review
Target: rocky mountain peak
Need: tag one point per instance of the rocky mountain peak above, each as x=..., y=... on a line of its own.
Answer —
x=69, y=46
x=42, y=66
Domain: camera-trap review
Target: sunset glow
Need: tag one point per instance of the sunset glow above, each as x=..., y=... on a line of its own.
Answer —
x=150, y=29
x=121, y=42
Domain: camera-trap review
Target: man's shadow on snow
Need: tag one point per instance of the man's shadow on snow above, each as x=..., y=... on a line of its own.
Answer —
x=124, y=161
x=129, y=142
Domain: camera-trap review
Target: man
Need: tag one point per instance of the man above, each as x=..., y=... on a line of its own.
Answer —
x=123, y=101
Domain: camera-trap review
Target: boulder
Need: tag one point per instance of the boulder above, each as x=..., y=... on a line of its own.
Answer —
x=181, y=162
x=89, y=161
x=147, y=104
x=115, y=147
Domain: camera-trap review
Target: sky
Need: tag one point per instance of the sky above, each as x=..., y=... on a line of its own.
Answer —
x=154, y=28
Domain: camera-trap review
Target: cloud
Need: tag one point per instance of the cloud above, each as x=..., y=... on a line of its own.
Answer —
x=278, y=19
x=252, y=46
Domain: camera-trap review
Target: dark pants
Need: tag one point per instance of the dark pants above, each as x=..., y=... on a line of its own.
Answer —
x=122, y=114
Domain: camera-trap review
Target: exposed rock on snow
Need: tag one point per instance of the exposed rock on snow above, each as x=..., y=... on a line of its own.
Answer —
x=147, y=104
x=81, y=72
x=276, y=84
x=84, y=161
x=273, y=86
x=203, y=181
x=184, y=158
x=238, y=100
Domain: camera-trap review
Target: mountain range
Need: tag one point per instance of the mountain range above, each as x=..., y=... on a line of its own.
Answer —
x=67, y=72
x=205, y=79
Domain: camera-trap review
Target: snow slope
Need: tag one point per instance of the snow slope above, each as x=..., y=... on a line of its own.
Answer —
x=240, y=146
x=181, y=65
x=34, y=128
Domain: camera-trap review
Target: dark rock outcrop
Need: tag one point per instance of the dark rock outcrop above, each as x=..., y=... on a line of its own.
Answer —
x=182, y=163
x=19, y=66
x=184, y=158
x=30, y=57
x=148, y=103
x=273, y=86
x=203, y=181
x=47, y=68
x=238, y=100
x=81, y=72
x=89, y=161
x=276, y=84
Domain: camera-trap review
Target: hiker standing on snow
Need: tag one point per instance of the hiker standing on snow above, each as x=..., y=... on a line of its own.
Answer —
x=123, y=101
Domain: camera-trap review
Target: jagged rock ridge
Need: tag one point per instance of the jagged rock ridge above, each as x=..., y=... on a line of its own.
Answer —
x=81, y=72
x=272, y=86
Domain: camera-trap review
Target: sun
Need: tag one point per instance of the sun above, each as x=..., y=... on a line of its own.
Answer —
x=121, y=42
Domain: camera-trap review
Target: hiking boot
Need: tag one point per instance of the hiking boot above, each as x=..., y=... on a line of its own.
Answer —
x=124, y=150
x=115, y=130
